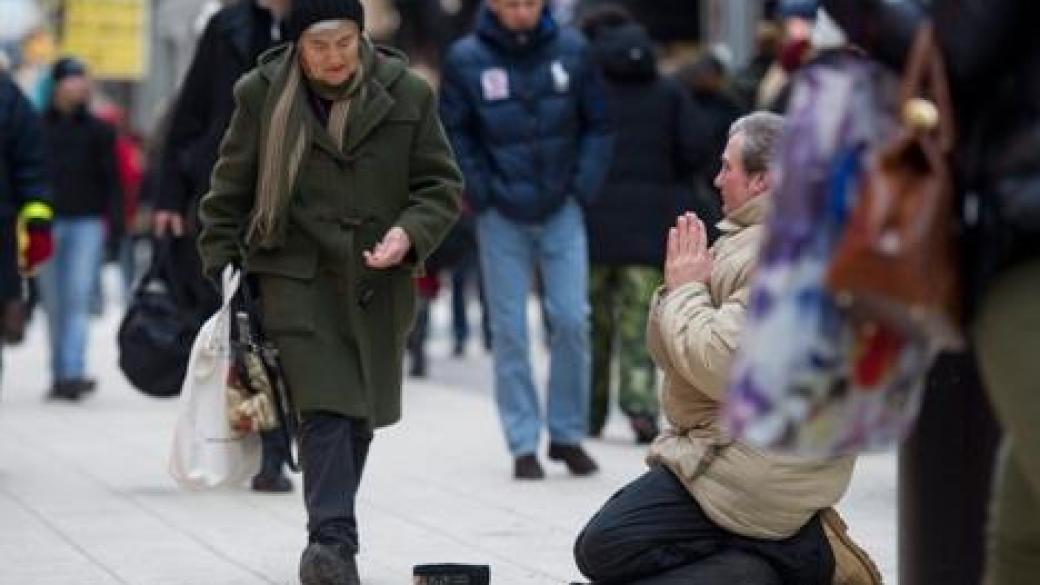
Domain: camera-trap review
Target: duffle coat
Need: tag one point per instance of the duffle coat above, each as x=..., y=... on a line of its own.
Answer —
x=340, y=326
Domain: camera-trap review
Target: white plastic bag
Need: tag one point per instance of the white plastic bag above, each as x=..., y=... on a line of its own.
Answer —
x=206, y=452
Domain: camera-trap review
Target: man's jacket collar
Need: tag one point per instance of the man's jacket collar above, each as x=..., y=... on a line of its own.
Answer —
x=491, y=30
x=753, y=212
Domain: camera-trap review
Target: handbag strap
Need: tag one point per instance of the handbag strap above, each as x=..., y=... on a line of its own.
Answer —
x=158, y=267
x=925, y=78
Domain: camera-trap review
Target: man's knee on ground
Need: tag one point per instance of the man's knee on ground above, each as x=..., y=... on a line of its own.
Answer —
x=595, y=551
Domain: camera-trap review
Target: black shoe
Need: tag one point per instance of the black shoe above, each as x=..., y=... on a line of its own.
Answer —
x=85, y=386
x=459, y=351
x=272, y=483
x=645, y=427
x=418, y=369
x=577, y=460
x=64, y=391
x=527, y=467
x=328, y=564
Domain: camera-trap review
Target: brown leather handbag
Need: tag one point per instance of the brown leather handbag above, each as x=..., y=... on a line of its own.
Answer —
x=897, y=262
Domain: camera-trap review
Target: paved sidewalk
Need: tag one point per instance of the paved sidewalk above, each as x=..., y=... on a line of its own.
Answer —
x=85, y=499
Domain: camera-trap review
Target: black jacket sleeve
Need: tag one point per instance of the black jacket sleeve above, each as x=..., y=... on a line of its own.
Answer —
x=110, y=180
x=460, y=118
x=596, y=146
x=23, y=149
x=189, y=120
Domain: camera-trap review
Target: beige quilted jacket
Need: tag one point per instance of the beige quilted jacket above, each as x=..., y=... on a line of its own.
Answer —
x=693, y=333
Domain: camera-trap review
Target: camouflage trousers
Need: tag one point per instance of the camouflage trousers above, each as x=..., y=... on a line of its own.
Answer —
x=620, y=298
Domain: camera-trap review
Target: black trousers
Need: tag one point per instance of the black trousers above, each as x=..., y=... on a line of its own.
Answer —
x=653, y=532
x=333, y=451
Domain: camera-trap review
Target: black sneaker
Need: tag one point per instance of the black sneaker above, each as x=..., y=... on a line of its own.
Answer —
x=272, y=483
x=527, y=467
x=645, y=427
x=328, y=564
x=576, y=459
x=459, y=351
x=419, y=368
x=64, y=391
x=85, y=386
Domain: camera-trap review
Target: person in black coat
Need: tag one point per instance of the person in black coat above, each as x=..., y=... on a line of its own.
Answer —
x=992, y=56
x=705, y=80
x=658, y=149
x=229, y=47
x=88, y=205
x=25, y=197
x=231, y=44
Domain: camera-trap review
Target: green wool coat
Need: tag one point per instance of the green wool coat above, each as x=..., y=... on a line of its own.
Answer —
x=340, y=326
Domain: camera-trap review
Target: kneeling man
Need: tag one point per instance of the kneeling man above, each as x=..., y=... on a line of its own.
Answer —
x=711, y=509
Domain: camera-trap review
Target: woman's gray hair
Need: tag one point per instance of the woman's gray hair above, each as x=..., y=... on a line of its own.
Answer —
x=761, y=132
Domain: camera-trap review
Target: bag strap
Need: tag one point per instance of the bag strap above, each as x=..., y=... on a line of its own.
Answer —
x=925, y=86
x=285, y=409
x=157, y=267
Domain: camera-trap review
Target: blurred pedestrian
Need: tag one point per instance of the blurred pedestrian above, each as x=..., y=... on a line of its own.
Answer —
x=335, y=183
x=233, y=40
x=524, y=105
x=650, y=180
x=993, y=62
x=25, y=203
x=88, y=202
x=130, y=164
x=710, y=509
x=747, y=81
x=706, y=81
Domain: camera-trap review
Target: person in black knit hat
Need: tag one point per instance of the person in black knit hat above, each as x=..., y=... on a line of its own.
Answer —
x=335, y=182
x=306, y=13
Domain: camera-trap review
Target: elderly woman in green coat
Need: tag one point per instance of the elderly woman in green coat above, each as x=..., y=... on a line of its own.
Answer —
x=335, y=182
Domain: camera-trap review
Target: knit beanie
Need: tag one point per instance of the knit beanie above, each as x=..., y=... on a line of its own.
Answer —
x=305, y=13
x=68, y=67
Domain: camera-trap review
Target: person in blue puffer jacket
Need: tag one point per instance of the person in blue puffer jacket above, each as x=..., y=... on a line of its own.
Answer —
x=525, y=108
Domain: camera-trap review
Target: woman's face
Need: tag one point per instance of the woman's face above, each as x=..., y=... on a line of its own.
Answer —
x=329, y=51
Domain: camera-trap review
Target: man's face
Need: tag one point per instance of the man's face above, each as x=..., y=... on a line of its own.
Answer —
x=734, y=183
x=518, y=15
x=74, y=90
x=330, y=53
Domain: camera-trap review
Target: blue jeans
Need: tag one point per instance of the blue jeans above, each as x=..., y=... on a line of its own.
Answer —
x=66, y=286
x=509, y=252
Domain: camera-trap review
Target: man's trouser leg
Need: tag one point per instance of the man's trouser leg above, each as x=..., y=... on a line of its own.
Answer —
x=601, y=295
x=1007, y=336
x=333, y=451
x=563, y=260
x=67, y=285
x=51, y=290
x=638, y=378
x=654, y=526
x=730, y=567
x=506, y=260
x=460, y=279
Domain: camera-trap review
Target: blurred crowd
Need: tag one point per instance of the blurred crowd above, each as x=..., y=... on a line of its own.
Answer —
x=615, y=170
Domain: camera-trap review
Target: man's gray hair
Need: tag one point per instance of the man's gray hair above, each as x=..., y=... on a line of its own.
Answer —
x=761, y=132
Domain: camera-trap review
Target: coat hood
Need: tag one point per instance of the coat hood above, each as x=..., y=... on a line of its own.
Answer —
x=626, y=53
x=491, y=30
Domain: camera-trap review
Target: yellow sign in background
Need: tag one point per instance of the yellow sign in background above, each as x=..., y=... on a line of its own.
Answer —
x=110, y=35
